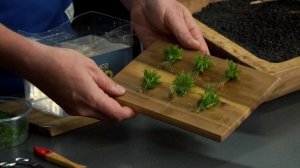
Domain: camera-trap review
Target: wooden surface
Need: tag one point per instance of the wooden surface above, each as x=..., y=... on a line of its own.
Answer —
x=53, y=125
x=288, y=71
x=49, y=124
x=238, y=98
x=62, y=161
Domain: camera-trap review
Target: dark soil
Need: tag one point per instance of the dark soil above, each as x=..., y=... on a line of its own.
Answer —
x=270, y=30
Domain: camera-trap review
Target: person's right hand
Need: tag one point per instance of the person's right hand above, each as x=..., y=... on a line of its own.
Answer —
x=166, y=20
x=77, y=84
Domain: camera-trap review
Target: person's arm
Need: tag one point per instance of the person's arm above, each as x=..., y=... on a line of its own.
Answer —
x=165, y=20
x=72, y=80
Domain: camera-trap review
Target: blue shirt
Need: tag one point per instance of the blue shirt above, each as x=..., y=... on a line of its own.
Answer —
x=32, y=16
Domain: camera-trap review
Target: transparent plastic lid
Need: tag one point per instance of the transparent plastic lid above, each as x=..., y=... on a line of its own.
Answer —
x=112, y=29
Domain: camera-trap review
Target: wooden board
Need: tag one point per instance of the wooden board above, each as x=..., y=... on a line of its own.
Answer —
x=288, y=71
x=49, y=124
x=52, y=125
x=238, y=98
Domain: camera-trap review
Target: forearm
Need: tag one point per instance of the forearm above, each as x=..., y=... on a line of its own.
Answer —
x=17, y=54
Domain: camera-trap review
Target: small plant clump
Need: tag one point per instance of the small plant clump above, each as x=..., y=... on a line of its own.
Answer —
x=181, y=85
x=171, y=55
x=232, y=72
x=202, y=63
x=151, y=79
x=209, y=99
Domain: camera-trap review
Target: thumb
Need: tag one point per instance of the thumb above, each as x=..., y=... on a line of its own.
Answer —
x=108, y=85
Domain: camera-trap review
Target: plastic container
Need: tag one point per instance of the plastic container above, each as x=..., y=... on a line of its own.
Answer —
x=13, y=121
x=105, y=39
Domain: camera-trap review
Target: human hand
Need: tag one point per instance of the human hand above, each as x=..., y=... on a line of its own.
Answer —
x=165, y=20
x=72, y=80
x=77, y=84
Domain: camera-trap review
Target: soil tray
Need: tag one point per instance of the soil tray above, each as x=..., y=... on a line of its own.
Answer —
x=288, y=71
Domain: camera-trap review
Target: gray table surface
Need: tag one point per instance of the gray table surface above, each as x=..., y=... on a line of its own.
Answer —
x=270, y=137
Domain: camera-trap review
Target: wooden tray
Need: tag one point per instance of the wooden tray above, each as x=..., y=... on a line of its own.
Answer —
x=288, y=71
x=238, y=98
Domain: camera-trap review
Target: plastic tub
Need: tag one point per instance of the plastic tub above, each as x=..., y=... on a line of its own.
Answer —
x=13, y=121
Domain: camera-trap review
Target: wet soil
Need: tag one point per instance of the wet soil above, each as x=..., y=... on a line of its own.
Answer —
x=270, y=30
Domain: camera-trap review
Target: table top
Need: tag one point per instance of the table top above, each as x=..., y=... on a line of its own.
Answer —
x=268, y=138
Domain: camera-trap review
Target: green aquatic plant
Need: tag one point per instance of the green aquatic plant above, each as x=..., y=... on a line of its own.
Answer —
x=209, y=99
x=202, y=63
x=181, y=85
x=4, y=115
x=232, y=72
x=151, y=79
x=12, y=132
x=172, y=54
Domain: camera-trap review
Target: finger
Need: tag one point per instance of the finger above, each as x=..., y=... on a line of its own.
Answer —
x=186, y=31
x=196, y=32
x=105, y=117
x=178, y=27
x=110, y=109
x=108, y=85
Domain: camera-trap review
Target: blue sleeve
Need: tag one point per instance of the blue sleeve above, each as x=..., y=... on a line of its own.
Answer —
x=33, y=16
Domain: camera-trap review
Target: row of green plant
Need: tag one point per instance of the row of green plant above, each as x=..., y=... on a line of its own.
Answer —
x=184, y=81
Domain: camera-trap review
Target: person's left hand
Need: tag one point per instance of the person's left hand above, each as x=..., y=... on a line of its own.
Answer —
x=166, y=20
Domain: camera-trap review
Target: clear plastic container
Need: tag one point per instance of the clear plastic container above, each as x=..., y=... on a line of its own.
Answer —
x=13, y=121
x=105, y=39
